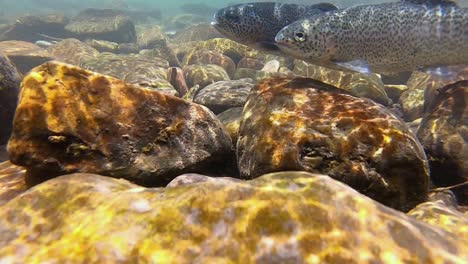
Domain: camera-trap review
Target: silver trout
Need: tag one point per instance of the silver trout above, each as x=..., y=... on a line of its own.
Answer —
x=256, y=24
x=383, y=38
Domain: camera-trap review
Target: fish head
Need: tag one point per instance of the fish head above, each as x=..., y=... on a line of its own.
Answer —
x=307, y=39
x=240, y=23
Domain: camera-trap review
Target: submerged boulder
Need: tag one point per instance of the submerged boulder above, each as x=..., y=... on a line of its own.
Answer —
x=10, y=80
x=304, y=124
x=204, y=75
x=443, y=133
x=34, y=28
x=72, y=51
x=104, y=24
x=288, y=217
x=231, y=120
x=24, y=55
x=223, y=95
x=72, y=120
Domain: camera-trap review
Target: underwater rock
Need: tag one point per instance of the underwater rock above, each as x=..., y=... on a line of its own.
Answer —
x=34, y=28
x=24, y=55
x=10, y=80
x=211, y=57
x=12, y=181
x=443, y=133
x=222, y=95
x=149, y=37
x=200, y=32
x=412, y=104
x=242, y=73
x=203, y=75
x=127, y=48
x=176, y=77
x=362, y=85
x=394, y=91
x=441, y=211
x=103, y=45
x=271, y=66
x=103, y=24
x=431, y=83
x=72, y=51
x=133, y=69
x=231, y=120
x=72, y=120
x=250, y=63
x=287, y=217
x=192, y=178
x=232, y=49
x=304, y=124
x=162, y=51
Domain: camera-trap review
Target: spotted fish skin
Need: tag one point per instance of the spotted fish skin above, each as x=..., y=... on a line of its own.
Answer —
x=256, y=24
x=384, y=38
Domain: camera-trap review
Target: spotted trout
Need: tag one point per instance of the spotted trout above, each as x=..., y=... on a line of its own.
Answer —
x=383, y=38
x=256, y=24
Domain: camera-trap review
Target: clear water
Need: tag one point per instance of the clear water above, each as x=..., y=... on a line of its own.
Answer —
x=168, y=7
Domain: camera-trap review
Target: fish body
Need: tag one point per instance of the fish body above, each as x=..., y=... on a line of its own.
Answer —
x=256, y=24
x=382, y=38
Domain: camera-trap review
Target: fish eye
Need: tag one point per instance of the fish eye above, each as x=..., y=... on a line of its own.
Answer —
x=232, y=15
x=299, y=36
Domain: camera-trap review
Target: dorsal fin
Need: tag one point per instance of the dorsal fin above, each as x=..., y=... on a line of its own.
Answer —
x=432, y=2
x=324, y=7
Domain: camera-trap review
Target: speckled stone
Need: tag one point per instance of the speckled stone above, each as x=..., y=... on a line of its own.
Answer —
x=203, y=75
x=288, y=217
x=72, y=51
x=304, y=124
x=231, y=119
x=362, y=85
x=443, y=133
x=211, y=57
x=10, y=80
x=223, y=95
x=24, y=55
x=105, y=24
x=72, y=120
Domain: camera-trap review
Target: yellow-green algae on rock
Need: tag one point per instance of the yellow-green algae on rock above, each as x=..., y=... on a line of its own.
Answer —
x=72, y=120
x=287, y=217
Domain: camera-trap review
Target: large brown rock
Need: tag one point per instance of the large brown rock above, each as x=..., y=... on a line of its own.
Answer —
x=24, y=55
x=304, y=124
x=104, y=24
x=288, y=217
x=34, y=28
x=72, y=51
x=9, y=88
x=72, y=120
x=444, y=135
